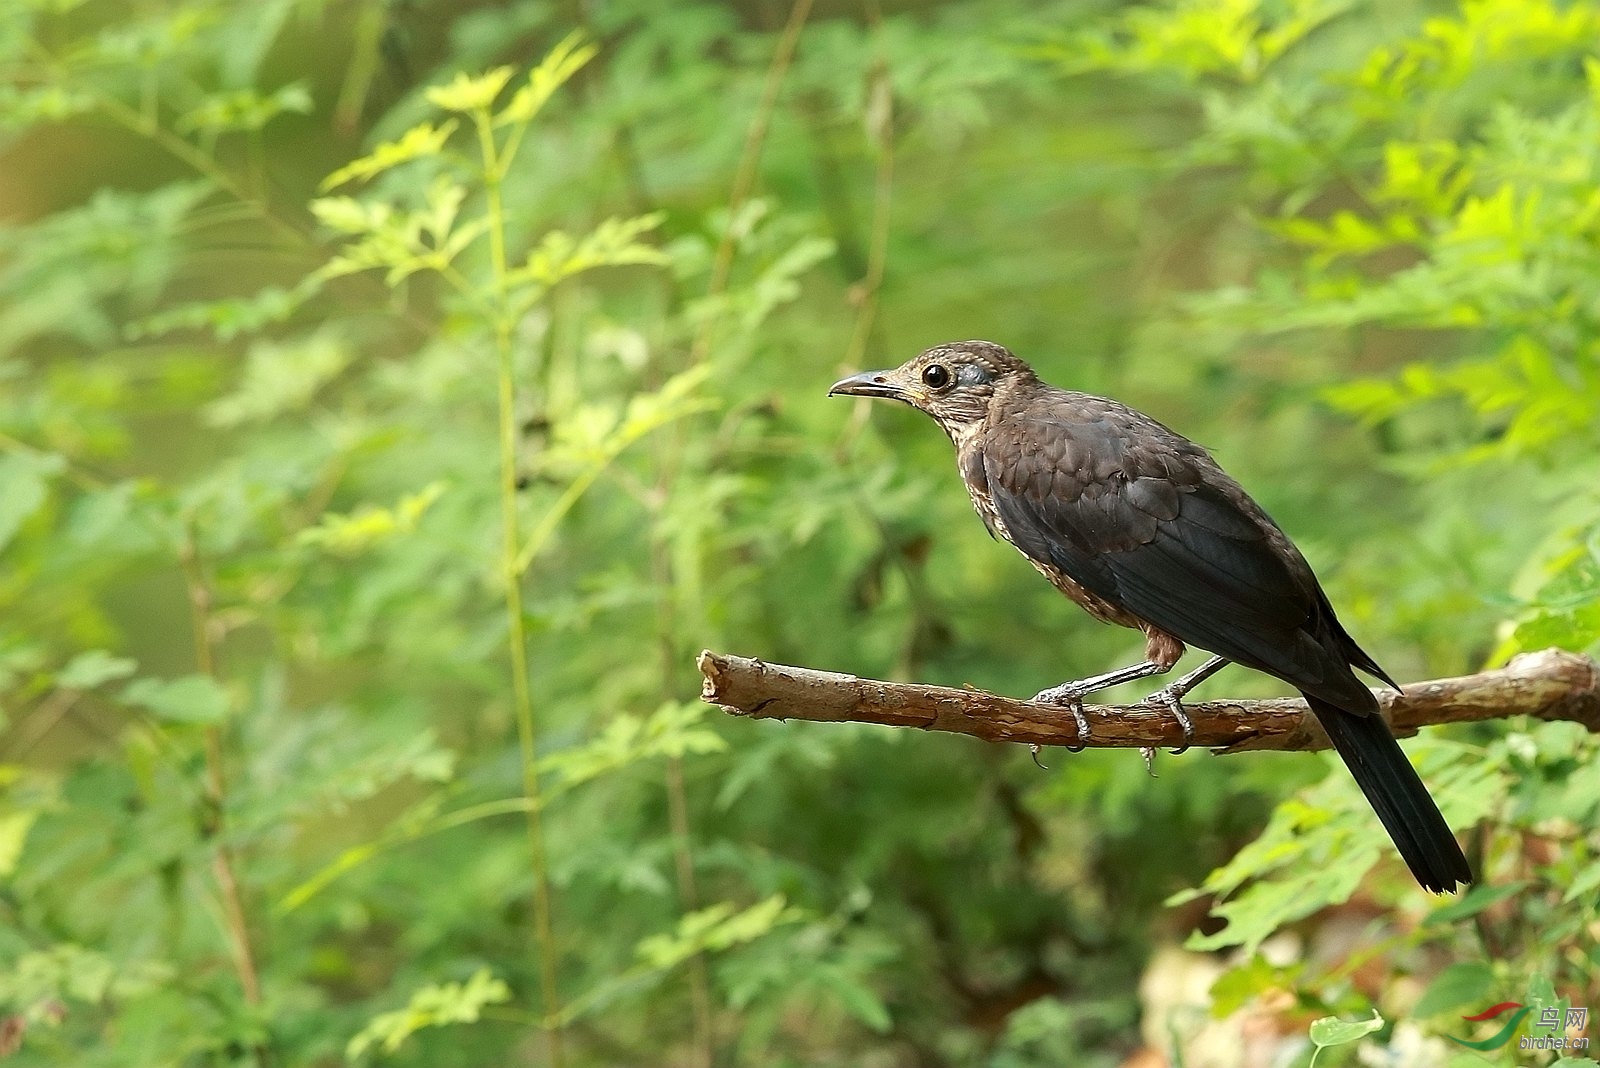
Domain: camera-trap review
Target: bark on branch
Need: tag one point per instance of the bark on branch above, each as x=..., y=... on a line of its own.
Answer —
x=1549, y=685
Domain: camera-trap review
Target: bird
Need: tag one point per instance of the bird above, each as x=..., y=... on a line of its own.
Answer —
x=1142, y=528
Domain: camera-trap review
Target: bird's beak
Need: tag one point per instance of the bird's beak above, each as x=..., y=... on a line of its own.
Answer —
x=868, y=384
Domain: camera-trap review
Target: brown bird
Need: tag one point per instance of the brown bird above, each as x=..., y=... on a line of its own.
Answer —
x=1141, y=527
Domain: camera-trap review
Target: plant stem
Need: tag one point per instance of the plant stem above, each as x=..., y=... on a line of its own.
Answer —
x=871, y=285
x=213, y=825
x=521, y=691
x=744, y=178
x=703, y=1050
x=704, y=1034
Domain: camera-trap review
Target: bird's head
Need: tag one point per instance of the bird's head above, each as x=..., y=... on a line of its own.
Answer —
x=954, y=383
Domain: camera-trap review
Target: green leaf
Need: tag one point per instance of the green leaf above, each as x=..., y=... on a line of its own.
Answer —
x=24, y=486
x=1584, y=882
x=1332, y=1031
x=14, y=828
x=564, y=60
x=229, y=317
x=714, y=928
x=193, y=699
x=369, y=526
x=422, y=141
x=88, y=670
x=470, y=93
x=592, y=437
x=612, y=243
x=1541, y=991
x=673, y=730
x=245, y=109
x=1314, y=852
x=717, y=927
x=67, y=971
x=1244, y=982
x=407, y=242
x=23, y=107
x=857, y=999
x=281, y=377
x=346, y=215
x=1462, y=983
x=1474, y=901
x=439, y=1005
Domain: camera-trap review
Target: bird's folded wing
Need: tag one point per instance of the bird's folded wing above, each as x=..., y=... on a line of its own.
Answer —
x=1174, y=551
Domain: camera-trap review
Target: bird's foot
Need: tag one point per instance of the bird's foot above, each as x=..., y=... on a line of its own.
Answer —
x=1171, y=698
x=1071, y=697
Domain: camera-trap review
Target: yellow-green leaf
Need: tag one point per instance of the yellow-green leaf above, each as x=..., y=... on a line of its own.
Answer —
x=564, y=60
x=419, y=142
x=466, y=92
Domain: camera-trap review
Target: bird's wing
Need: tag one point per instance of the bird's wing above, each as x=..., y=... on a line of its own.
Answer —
x=1135, y=520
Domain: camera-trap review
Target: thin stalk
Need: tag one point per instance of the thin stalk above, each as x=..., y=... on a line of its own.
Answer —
x=511, y=538
x=869, y=289
x=744, y=179
x=703, y=1049
x=213, y=824
x=363, y=69
x=704, y=1033
x=871, y=286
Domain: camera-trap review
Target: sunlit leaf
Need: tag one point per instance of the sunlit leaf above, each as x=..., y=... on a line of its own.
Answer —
x=1332, y=1031
x=229, y=317
x=422, y=141
x=563, y=61
x=88, y=670
x=24, y=485
x=195, y=699
x=359, y=531
x=465, y=92
x=281, y=377
x=245, y=109
x=14, y=828
x=614, y=242
x=439, y=1005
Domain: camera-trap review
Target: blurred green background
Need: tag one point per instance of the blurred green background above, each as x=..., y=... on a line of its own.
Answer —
x=396, y=395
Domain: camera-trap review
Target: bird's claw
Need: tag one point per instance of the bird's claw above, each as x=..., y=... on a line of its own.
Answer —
x=1071, y=697
x=1172, y=701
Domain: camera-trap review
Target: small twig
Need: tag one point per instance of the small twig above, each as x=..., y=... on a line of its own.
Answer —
x=213, y=821
x=1549, y=685
x=866, y=293
x=744, y=179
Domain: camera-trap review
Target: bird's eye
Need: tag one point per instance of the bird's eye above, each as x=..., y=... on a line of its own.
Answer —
x=936, y=375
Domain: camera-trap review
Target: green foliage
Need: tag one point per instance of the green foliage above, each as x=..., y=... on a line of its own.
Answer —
x=1319, y=847
x=1332, y=1031
x=1427, y=185
x=385, y=425
x=1463, y=983
x=438, y=1005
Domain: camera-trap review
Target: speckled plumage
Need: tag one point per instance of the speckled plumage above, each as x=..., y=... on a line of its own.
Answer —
x=1142, y=528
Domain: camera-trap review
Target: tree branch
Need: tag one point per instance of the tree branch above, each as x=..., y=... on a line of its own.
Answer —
x=1549, y=685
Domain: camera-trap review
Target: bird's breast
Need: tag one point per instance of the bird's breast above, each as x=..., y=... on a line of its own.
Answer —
x=976, y=480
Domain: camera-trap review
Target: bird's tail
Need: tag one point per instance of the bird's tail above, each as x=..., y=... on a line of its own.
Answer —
x=1396, y=793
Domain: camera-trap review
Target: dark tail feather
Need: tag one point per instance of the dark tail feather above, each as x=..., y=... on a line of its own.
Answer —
x=1381, y=769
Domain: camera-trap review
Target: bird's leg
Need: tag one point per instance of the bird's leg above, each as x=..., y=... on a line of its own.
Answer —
x=1171, y=695
x=1071, y=694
